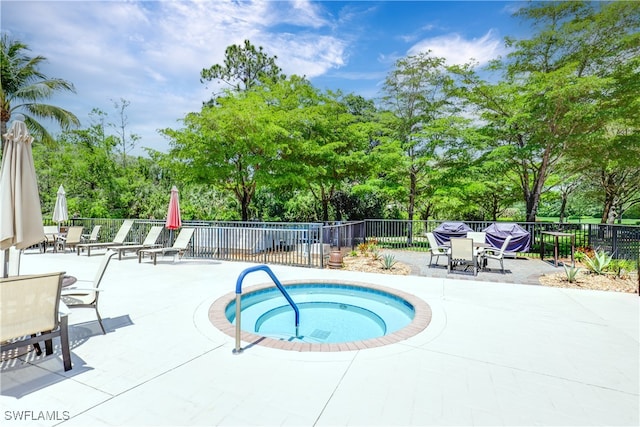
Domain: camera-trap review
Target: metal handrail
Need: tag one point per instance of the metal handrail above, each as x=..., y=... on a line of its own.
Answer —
x=241, y=277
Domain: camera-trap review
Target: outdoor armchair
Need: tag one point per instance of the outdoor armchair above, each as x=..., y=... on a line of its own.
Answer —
x=179, y=246
x=477, y=237
x=462, y=253
x=492, y=253
x=50, y=237
x=30, y=311
x=121, y=235
x=149, y=242
x=434, y=250
x=77, y=297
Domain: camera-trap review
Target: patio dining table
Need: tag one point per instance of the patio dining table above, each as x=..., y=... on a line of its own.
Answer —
x=477, y=245
x=556, y=235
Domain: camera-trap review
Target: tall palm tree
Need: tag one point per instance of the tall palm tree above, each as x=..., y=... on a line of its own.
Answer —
x=23, y=86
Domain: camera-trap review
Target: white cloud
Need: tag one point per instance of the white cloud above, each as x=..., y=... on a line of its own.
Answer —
x=152, y=53
x=457, y=50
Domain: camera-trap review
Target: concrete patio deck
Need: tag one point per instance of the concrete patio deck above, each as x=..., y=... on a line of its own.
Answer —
x=494, y=354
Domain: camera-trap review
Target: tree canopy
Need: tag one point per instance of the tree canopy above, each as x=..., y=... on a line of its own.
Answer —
x=552, y=128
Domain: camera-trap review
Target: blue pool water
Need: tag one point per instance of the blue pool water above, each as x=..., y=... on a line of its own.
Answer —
x=329, y=313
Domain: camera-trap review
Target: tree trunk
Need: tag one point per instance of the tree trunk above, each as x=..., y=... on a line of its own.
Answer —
x=533, y=197
x=325, y=209
x=412, y=196
x=412, y=207
x=245, y=210
x=608, y=183
x=563, y=207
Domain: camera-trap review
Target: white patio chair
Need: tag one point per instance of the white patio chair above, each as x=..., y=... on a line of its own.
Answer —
x=462, y=253
x=477, y=237
x=76, y=297
x=31, y=312
x=492, y=253
x=434, y=249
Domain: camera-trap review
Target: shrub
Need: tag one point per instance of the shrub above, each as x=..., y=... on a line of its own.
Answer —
x=599, y=262
x=388, y=261
x=353, y=253
x=584, y=250
x=622, y=267
x=363, y=248
x=572, y=272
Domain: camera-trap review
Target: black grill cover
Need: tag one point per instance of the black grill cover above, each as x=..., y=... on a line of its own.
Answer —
x=445, y=231
x=497, y=233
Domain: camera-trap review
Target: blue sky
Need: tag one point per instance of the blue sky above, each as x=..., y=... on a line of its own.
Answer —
x=150, y=53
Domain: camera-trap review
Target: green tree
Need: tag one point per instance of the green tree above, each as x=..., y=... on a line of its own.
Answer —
x=234, y=146
x=420, y=121
x=331, y=148
x=244, y=67
x=554, y=86
x=126, y=140
x=24, y=88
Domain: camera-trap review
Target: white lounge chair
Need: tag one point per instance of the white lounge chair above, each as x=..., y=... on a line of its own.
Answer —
x=149, y=242
x=93, y=237
x=120, y=238
x=179, y=246
x=71, y=239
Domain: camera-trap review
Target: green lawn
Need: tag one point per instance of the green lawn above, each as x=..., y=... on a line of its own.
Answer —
x=587, y=220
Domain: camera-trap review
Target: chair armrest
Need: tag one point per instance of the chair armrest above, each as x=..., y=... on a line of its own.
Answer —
x=74, y=291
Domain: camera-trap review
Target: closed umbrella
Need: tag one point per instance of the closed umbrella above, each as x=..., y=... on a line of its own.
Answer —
x=173, y=214
x=60, y=212
x=20, y=215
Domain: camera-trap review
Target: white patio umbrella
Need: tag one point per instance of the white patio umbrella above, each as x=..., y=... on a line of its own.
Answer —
x=20, y=214
x=60, y=212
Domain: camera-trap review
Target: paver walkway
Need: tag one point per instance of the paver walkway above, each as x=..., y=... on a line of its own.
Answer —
x=517, y=270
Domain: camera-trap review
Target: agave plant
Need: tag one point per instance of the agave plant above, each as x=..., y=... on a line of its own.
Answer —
x=599, y=262
x=572, y=272
x=388, y=261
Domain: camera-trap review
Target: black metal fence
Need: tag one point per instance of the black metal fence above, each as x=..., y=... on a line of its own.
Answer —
x=299, y=244
x=623, y=241
x=309, y=244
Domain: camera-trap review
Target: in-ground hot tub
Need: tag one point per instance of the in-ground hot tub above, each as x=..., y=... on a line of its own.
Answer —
x=333, y=316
